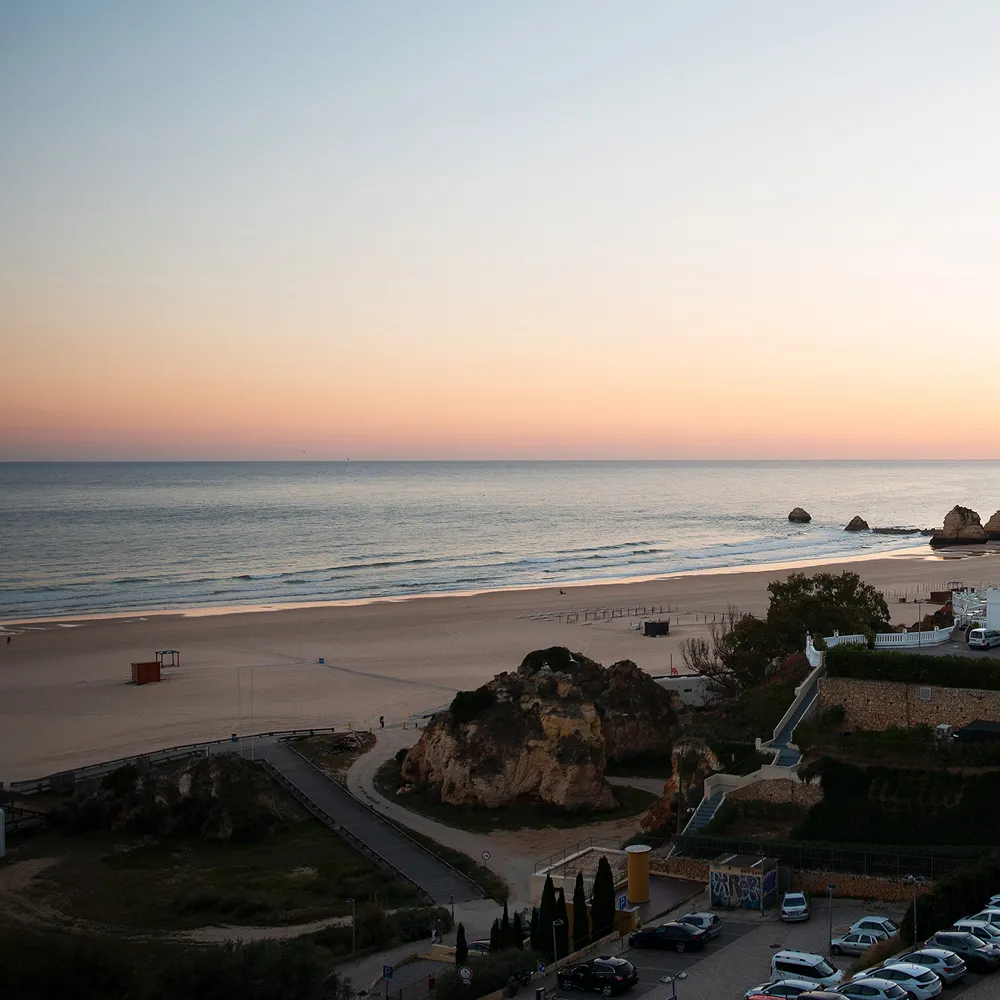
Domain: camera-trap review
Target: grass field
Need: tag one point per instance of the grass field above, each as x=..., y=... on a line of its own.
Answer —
x=631, y=802
x=303, y=872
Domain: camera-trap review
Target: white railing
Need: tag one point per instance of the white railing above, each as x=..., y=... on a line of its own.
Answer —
x=931, y=638
x=801, y=693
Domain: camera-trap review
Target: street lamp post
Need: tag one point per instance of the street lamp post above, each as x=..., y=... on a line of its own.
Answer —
x=354, y=928
x=914, y=880
x=830, y=887
x=672, y=982
x=555, y=947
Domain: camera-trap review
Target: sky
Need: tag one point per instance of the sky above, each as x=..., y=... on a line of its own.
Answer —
x=462, y=229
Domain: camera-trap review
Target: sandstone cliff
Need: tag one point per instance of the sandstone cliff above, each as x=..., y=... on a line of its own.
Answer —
x=992, y=527
x=543, y=734
x=961, y=525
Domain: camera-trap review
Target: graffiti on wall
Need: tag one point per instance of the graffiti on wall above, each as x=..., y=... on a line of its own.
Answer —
x=731, y=889
x=770, y=886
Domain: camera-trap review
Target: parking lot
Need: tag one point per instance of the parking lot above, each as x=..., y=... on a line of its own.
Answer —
x=740, y=957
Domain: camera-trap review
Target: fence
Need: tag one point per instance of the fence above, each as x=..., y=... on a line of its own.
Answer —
x=153, y=757
x=863, y=860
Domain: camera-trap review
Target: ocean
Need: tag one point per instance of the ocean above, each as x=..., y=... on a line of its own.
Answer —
x=90, y=538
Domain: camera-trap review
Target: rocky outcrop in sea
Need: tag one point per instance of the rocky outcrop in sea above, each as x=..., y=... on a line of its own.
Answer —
x=961, y=526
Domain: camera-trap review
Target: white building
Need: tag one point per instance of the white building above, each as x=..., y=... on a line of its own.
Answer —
x=692, y=689
x=993, y=609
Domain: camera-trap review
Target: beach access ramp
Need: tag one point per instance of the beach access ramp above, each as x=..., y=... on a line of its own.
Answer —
x=438, y=880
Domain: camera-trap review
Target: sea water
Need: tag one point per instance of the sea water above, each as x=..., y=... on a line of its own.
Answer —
x=87, y=538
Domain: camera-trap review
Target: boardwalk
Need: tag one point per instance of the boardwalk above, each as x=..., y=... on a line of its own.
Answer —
x=436, y=878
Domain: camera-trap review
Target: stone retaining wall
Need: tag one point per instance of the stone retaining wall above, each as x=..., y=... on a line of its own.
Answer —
x=879, y=705
x=680, y=868
x=886, y=890
x=779, y=790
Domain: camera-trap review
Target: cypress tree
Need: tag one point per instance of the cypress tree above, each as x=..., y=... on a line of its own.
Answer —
x=495, y=937
x=562, y=930
x=581, y=921
x=516, y=931
x=533, y=933
x=505, y=936
x=461, y=947
x=546, y=914
x=603, y=900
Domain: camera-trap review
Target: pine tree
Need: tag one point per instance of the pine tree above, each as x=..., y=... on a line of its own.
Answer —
x=581, y=921
x=495, y=937
x=517, y=931
x=461, y=947
x=505, y=937
x=562, y=927
x=546, y=914
x=533, y=936
x=603, y=909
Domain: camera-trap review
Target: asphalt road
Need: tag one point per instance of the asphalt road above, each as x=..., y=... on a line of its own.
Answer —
x=953, y=649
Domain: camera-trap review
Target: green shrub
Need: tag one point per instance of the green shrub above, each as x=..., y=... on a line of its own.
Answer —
x=489, y=973
x=961, y=892
x=739, y=758
x=878, y=953
x=467, y=705
x=913, y=668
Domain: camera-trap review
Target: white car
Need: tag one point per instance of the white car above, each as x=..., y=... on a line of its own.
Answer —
x=991, y=915
x=984, y=638
x=992, y=903
x=917, y=980
x=794, y=906
x=981, y=928
x=872, y=988
x=876, y=925
x=854, y=942
x=707, y=922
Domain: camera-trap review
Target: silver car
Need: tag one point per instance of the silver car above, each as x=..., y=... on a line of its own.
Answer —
x=872, y=988
x=945, y=964
x=707, y=922
x=794, y=906
x=854, y=943
x=783, y=988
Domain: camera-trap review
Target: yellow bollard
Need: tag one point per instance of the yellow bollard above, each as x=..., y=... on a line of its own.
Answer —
x=350, y=725
x=638, y=873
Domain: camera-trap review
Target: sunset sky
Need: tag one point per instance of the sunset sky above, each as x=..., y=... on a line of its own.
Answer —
x=462, y=229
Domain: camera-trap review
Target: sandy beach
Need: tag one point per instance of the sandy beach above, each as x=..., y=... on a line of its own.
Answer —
x=65, y=699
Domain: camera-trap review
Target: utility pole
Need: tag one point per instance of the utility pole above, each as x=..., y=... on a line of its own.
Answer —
x=555, y=947
x=830, y=889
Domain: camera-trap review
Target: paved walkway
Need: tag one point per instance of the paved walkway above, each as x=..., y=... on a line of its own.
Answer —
x=442, y=883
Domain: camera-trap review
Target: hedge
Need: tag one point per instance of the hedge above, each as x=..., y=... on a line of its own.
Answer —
x=913, y=668
x=959, y=893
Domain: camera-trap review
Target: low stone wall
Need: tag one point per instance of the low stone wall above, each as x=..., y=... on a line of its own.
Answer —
x=879, y=705
x=779, y=790
x=689, y=868
x=886, y=890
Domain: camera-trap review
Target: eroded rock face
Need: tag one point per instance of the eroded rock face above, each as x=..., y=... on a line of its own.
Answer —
x=857, y=523
x=961, y=525
x=543, y=734
x=800, y=515
x=693, y=761
x=992, y=527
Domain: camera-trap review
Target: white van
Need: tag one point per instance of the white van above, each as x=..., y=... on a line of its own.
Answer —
x=984, y=638
x=804, y=965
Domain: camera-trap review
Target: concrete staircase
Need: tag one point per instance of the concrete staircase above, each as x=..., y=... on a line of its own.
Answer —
x=707, y=808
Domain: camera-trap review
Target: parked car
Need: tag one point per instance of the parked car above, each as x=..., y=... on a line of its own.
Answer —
x=673, y=935
x=918, y=981
x=820, y=995
x=993, y=902
x=990, y=933
x=883, y=926
x=710, y=923
x=481, y=947
x=983, y=638
x=794, y=906
x=788, y=964
x=945, y=964
x=854, y=942
x=781, y=988
x=975, y=952
x=872, y=988
x=605, y=975
x=991, y=915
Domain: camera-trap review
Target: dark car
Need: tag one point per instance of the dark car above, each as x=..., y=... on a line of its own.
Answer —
x=673, y=935
x=604, y=974
x=975, y=952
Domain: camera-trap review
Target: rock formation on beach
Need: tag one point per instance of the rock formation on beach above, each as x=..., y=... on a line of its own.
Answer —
x=800, y=515
x=857, y=523
x=543, y=734
x=903, y=531
x=992, y=527
x=961, y=526
x=693, y=761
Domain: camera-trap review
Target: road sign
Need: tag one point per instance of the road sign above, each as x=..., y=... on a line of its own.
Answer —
x=466, y=973
x=486, y=855
x=387, y=972
x=622, y=902
x=541, y=968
